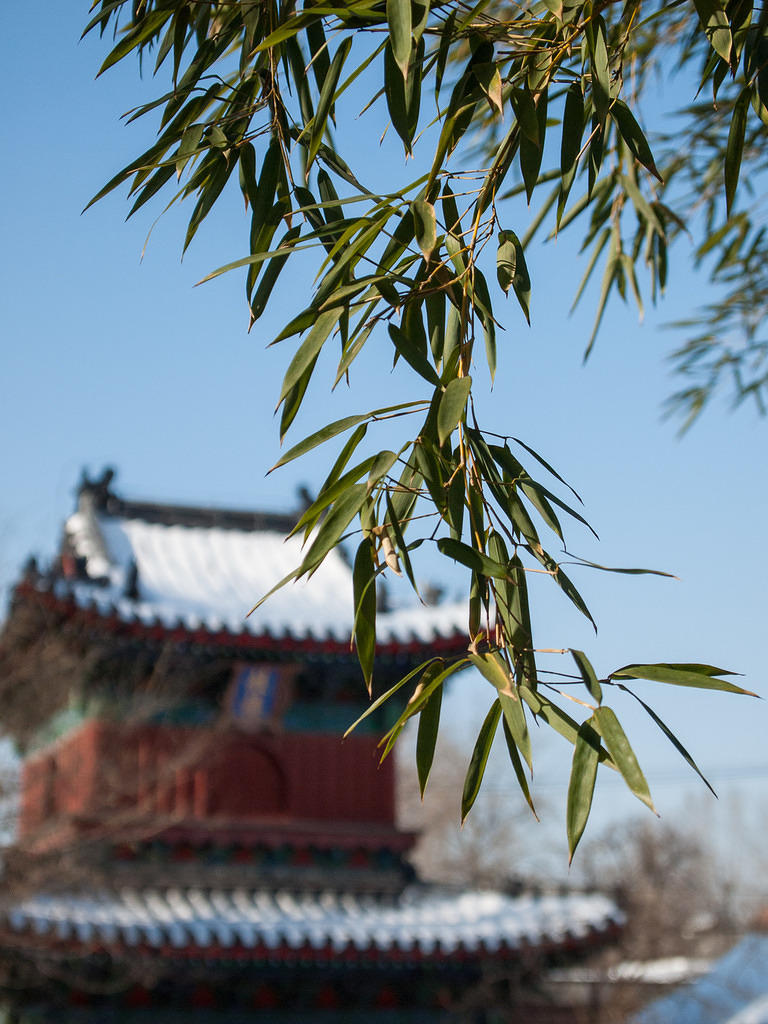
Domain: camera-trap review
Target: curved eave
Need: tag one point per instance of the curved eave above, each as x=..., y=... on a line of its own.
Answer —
x=264, y=643
x=308, y=954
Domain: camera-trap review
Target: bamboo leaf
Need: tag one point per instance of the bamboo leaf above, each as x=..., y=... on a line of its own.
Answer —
x=425, y=226
x=412, y=354
x=325, y=102
x=633, y=136
x=671, y=737
x=309, y=349
x=517, y=764
x=426, y=739
x=364, y=594
x=717, y=29
x=588, y=674
x=618, y=569
x=479, y=759
x=512, y=271
x=400, y=31
x=582, y=783
x=452, y=405
x=621, y=752
x=335, y=523
x=472, y=558
x=735, y=147
x=390, y=693
x=703, y=677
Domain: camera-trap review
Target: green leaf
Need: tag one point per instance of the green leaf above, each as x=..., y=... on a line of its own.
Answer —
x=532, y=150
x=309, y=349
x=325, y=101
x=364, y=591
x=735, y=147
x=716, y=27
x=320, y=437
x=410, y=351
x=703, y=677
x=381, y=465
x=452, y=405
x=517, y=764
x=479, y=759
x=391, y=692
x=588, y=674
x=335, y=523
x=633, y=136
x=144, y=30
x=472, y=558
x=601, y=70
x=671, y=737
x=331, y=492
x=512, y=271
x=268, y=281
x=482, y=303
x=514, y=719
x=618, y=569
x=400, y=30
x=549, y=469
x=489, y=79
x=573, y=128
x=582, y=783
x=616, y=741
x=434, y=676
x=425, y=226
x=426, y=739
x=403, y=95
x=491, y=665
x=294, y=398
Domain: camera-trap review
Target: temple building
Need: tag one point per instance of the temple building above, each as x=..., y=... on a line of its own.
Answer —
x=196, y=841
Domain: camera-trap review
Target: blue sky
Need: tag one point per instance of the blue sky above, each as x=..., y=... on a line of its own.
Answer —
x=108, y=359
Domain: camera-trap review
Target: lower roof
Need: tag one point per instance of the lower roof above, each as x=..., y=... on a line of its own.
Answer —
x=256, y=924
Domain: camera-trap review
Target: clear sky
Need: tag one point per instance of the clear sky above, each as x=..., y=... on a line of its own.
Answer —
x=108, y=359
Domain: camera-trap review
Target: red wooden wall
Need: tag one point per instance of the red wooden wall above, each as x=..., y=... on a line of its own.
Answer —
x=107, y=770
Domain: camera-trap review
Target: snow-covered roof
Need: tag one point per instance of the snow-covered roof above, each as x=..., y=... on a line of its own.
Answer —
x=420, y=923
x=208, y=577
x=735, y=991
x=671, y=970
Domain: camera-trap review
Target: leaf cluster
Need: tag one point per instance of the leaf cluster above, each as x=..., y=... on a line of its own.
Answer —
x=256, y=89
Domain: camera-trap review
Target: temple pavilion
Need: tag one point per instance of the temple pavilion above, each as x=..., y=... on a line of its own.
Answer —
x=195, y=839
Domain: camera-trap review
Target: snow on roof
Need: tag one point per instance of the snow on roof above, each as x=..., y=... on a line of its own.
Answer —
x=423, y=922
x=208, y=576
x=671, y=970
x=737, y=985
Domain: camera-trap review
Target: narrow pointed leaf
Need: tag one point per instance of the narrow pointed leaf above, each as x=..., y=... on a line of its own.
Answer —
x=364, y=590
x=582, y=783
x=588, y=674
x=735, y=147
x=472, y=558
x=390, y=693
x=622, y=754
x=512, y=271
x=309, y=348
x=714, y=21
x=336, y=522
x=452, y=406
x=479, y=759
x=400, y=30
x=425, y=226
x=517, y=764
x=633, y=136
x=703, y=677
x=426, y=739
x=671, y=737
